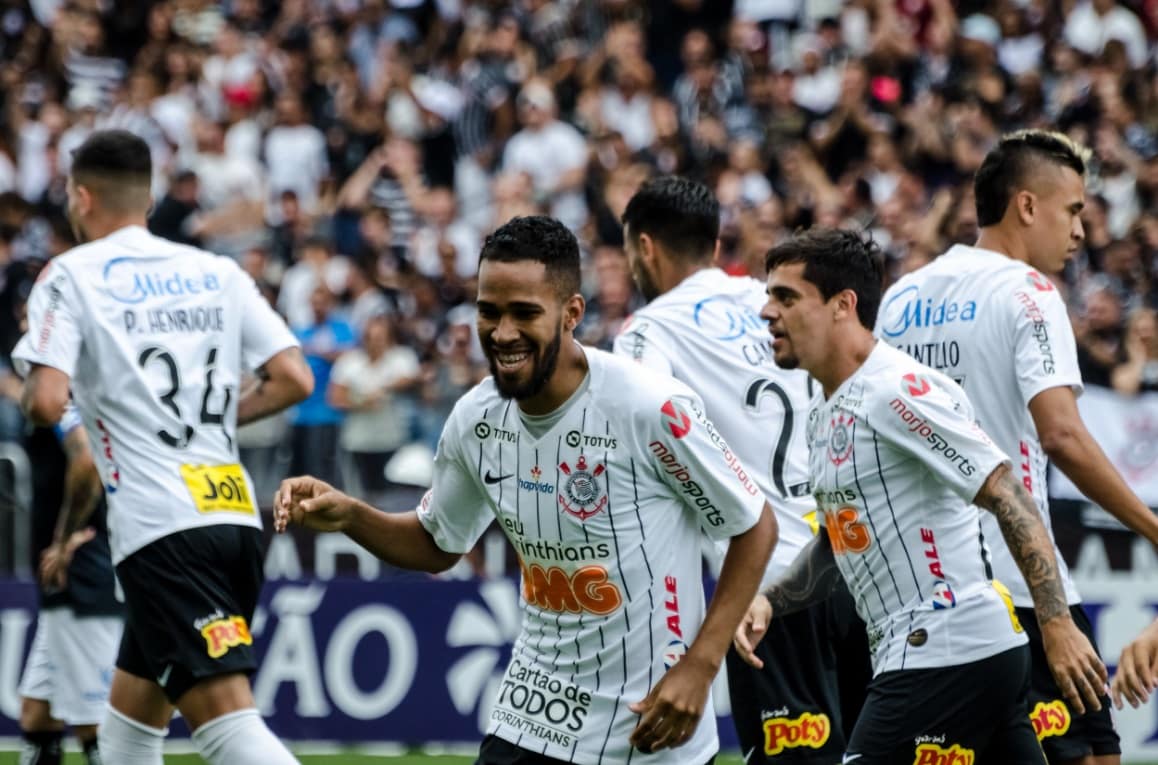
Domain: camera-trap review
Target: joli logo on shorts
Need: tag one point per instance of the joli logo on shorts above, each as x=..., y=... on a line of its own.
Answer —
x=1050, y=718
x=808, y=730
x=222, y=634
x=931, y=754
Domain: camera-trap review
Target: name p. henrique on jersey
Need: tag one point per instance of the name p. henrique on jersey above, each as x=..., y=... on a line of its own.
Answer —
x=605, y=510
x=896, y=459
x=153, y=336
x=1000, y=329
x=707, y=332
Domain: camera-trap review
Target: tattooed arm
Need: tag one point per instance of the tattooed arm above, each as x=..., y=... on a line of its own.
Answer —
x=1072, y=659
x=811, y=578
x=282, y=381
x=82, y=493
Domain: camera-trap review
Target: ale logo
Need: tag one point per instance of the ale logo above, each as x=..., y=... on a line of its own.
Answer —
x=808, y=730
x=931, y=754
x=1050, y=718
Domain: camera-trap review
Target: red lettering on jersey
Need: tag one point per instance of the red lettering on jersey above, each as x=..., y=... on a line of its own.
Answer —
x=672, y=604
x=1026, y=476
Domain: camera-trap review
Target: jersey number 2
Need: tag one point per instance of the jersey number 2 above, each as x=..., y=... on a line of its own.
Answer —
x=207, y=417
x=756, y=391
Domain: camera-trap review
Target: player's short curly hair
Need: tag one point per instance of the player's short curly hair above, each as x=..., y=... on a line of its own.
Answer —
x=1009, y=165
x=681, y=214
x=541, y=239
x=836, y=260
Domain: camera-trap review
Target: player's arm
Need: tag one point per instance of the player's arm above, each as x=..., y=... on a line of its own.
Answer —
x=1074, y=451
x=82, y=493
x=639, y=341
x=45, y=395
x=281, y=382
x=1075, y=664
x=400, y=539
x=1137, y=675
x=812, y=578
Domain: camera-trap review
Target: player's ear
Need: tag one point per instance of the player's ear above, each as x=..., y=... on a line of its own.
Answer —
x=647, y=248
x=573, y=311
x=845, y=303
x=1025, y=203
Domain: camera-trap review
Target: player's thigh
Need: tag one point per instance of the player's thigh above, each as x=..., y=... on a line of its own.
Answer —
x=789, y=711
x=940, y=715
x=39, y=672
x=190, y=598
x=1063, y=735
x=84, y=651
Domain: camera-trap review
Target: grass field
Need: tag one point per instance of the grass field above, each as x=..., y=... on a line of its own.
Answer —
x=9, y=758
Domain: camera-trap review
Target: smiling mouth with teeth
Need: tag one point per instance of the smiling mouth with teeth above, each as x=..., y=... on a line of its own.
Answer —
x=511, y=359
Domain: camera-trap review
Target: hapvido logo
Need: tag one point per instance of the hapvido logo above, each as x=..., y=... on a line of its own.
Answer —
x=474, y=680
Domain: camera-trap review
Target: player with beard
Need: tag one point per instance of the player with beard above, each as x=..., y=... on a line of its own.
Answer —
x=899, y=469
x=150, y=338
x=604, y=476
x=703, y=327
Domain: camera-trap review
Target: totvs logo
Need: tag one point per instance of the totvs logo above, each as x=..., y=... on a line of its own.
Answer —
x=222, y=634
x=553, y=589
x=931, y=754
x=808, y=730
x=1050, y=719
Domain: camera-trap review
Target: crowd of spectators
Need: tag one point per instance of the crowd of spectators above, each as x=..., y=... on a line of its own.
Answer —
x=352, y=154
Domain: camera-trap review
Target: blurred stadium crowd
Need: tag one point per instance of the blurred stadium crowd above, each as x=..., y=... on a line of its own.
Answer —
x=352, y=154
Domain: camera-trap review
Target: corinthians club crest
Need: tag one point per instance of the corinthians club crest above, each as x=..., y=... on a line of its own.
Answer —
x=582, y=495
x=839, y=439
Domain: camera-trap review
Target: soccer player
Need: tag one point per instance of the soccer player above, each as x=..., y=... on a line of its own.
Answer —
x=67, y=674
x=897, y=465
x=989, y=317
x=604, y=477
x=703, y=327
x=151, y=337
x=1137, y=675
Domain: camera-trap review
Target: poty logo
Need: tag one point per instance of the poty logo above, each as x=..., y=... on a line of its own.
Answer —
x=553, y=589
x=676, y=418
x=124, y=283
x=1040, y=282
x=931, y=754
x=222, y=634
x=907, y=309
x=808, y=730
x=1050, y=718
x=916, y=384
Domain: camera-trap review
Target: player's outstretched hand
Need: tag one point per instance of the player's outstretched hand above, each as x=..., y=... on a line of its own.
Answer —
x=308, y=502
x=671, y=712
x=751, y=630
x=55, y=559
x=1075, y=665
x=1137, y=675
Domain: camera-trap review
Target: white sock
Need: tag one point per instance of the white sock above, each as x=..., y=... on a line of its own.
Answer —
x=127, y=742
x=240, y=738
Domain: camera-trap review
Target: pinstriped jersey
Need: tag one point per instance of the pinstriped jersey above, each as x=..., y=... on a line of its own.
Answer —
x=1000, y=329
x=707, y=332
x=896, y=460
x=606, y=511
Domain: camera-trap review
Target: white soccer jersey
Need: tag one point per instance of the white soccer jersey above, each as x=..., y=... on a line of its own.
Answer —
x=153, y=336
x=707, y=332
x=606, y=511
x=896, y=459
x=1000, y=329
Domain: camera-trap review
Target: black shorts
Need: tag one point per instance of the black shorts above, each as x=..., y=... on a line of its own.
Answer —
x=190, y=598
x=801, y=707
x=970, y=713
x=1063, y=736
x=497, y=751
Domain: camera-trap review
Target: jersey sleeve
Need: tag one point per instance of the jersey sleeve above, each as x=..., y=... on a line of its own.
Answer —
x=932, y=420
x=692, y=458
x=641, y=343
x=1046, y=354
x=455, y=512
x=263, y=333
x=54, y=334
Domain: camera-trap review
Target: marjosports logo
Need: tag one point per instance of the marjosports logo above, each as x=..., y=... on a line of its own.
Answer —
x=932, y=754
x=1040, y=281
x=1040, y=331
x=688, y=485
x=676, y=419
x=915, y=384
x=223, y=633
x=553, y=589
x=809, y=730
x=1050, y=718
x=906, y=310
x=840, y=439
x=920, y=426
x=582, y=489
